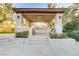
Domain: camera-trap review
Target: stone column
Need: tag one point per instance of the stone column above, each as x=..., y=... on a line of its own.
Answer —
x=19, y=24
x=30, y=30
x=58, y=23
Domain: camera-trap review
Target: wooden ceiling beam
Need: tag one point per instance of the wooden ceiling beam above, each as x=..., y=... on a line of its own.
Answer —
x=38, y=13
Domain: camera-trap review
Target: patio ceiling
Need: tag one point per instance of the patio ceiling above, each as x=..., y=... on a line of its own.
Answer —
x=39, y=14
x=39, y=18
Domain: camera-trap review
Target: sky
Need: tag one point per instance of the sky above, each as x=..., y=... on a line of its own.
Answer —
x=30, y=5
x=38, y=5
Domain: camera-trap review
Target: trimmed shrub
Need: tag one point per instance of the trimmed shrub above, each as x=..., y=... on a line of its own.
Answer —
x=57, y=36
x=23, y=34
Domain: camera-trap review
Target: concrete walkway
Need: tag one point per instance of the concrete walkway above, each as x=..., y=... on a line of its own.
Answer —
x=37, y=46
x=4, y=36
x=54, y=47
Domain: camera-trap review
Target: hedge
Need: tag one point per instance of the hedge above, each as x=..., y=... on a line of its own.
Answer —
x=23, y=34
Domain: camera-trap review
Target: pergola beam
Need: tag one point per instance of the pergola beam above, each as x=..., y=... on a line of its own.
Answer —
x=38, y=14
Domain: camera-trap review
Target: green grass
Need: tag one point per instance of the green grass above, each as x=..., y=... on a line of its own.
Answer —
x=5, y=33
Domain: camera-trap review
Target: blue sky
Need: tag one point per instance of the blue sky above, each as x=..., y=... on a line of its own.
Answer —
x=30, y=5
x=37, y=5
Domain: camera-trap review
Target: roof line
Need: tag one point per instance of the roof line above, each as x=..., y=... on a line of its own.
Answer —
x=39, y=10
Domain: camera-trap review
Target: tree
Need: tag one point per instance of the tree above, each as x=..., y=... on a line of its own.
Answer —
x=71, y=18
x=6, y=15
x=51, y=5
x=5, y=11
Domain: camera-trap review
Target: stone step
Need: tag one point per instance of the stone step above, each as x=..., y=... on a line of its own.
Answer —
x=39, y=37
x=38, y=41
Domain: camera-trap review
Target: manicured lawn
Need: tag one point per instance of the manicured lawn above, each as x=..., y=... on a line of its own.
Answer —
x=4, y=33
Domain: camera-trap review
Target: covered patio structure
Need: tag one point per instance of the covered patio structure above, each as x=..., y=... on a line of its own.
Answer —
x=39, y=15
